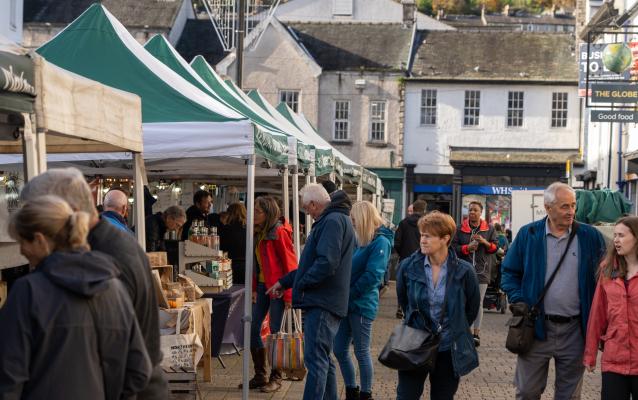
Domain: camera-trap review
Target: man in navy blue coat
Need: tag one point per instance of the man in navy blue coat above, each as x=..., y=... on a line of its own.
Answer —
x=321, y=284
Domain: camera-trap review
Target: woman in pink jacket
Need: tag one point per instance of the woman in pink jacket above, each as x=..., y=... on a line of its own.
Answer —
x=613, y=321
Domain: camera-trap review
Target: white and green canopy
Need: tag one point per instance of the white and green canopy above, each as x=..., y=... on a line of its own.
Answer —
x=179, y=119
x=270, y=142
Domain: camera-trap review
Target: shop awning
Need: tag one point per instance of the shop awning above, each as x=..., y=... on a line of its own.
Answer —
x=495, y=156
x=17, y=81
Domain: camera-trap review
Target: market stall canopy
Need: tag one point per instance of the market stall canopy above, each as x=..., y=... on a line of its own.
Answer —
x=77, y=114
x=17, y=81
x=179, y=120
x=324, y=161
x=270, y=142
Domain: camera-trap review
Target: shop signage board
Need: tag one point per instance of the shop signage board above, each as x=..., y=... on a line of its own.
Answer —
x=473, y=189
x=597, y=69
x=614, y=116
x=614, y=93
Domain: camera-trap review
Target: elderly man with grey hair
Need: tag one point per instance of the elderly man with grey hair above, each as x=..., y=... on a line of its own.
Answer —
x=321, y=284
x=172, y=219
x=532, y=259
x=128, y=256
x=116, y=209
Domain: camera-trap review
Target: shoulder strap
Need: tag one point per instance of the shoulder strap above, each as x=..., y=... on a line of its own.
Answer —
x=560, y=262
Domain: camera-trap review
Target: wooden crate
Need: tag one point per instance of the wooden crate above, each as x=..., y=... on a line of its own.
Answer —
x=157, y=258
x=3, y=292
x=182, y=384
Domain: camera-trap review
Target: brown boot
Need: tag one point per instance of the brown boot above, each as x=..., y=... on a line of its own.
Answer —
x=275, y=382
x=259, y=361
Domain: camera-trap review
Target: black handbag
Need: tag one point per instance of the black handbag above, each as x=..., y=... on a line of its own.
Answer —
x=411, y=348
x=520, y=333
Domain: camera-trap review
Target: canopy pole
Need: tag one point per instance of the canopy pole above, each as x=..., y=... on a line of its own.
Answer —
x=308, y=217
x=248, y=303
x=138, y=188
x=286, y=193
x=295, y=210
x=29, y=149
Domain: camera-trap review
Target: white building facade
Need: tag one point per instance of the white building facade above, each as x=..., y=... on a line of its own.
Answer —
x=11, y=20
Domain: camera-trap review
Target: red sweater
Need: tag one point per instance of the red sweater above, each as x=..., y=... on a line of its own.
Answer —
x=277, y=255
x=614, y=321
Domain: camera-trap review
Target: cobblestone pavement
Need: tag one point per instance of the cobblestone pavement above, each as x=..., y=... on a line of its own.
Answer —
x=492, y=380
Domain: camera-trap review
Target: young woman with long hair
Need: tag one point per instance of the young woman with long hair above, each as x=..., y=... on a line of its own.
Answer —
x=613, y=319
x=369, y=263
x=274, y=258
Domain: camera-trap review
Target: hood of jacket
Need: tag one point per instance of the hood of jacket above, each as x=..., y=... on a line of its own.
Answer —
x=466, y=228
x=385, y=231
x=83, y=273
x=339, y=202
x=272, y=233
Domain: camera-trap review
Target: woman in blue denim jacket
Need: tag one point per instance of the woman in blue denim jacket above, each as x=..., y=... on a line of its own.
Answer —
x=369, y=263
x=425, y=279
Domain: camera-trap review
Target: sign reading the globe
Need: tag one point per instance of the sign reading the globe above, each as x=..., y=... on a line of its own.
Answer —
x=614, y=93
x=614, y=116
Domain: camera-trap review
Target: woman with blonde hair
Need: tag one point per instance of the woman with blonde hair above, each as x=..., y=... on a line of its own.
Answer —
x=232, y=238
x=369, y=263
x=71, y=328
x=614, y=317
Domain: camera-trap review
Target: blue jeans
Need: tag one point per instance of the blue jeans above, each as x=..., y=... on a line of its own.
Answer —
x=320, y=327
x=260, y=309
x=355, y=328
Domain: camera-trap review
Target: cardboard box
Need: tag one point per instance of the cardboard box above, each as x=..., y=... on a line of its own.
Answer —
x=157, y=258
x=165, y=272
x=3, y=292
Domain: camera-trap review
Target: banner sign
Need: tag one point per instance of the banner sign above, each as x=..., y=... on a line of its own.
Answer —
x=614, y=93
x=614, y=116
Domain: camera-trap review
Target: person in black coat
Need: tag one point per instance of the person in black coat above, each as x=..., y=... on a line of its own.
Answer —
x=407, y=237
x=69, y=327
x=129, y=258
x=232, y=238
x=202, y=201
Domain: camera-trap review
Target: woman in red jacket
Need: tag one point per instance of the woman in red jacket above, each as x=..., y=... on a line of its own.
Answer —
x=613, y=320
x=274, y=258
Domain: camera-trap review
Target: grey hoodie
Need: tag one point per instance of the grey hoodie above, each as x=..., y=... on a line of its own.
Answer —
x=53, y=346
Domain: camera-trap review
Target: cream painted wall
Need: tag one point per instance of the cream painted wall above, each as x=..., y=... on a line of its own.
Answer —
x=428, y=146
x=379, y=86
x=278, y=64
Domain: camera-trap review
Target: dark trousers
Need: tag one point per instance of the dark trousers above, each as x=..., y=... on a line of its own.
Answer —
x=443, y=382
x=619, y=387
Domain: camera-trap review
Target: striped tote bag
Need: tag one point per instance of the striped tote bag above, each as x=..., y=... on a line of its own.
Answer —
x=285, y=348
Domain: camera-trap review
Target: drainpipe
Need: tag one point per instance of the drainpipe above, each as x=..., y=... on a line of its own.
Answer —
x=620, y=182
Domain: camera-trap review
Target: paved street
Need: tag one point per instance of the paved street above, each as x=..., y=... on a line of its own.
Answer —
x=492, y=380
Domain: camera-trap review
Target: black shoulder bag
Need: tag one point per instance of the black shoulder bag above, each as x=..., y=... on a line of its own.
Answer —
x=411, y=348
x=520, y=335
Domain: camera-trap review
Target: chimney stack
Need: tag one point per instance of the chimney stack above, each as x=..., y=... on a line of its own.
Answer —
x=409, y=12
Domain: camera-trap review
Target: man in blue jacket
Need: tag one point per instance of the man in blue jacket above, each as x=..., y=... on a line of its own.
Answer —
x=321, y=284
x=529, y=263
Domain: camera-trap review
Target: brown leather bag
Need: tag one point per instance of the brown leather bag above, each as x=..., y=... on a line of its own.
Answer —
x=520, y=334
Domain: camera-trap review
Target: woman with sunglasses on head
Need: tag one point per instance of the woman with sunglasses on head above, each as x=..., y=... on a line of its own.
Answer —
x=274, y=258
x=613, y=319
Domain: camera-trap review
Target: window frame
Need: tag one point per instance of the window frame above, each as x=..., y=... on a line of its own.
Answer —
x=336, y=120
x=428, y=114
x=471, y=112
x=295, y=92
x=515, y=109
x=373, y=121
x=559, y=116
